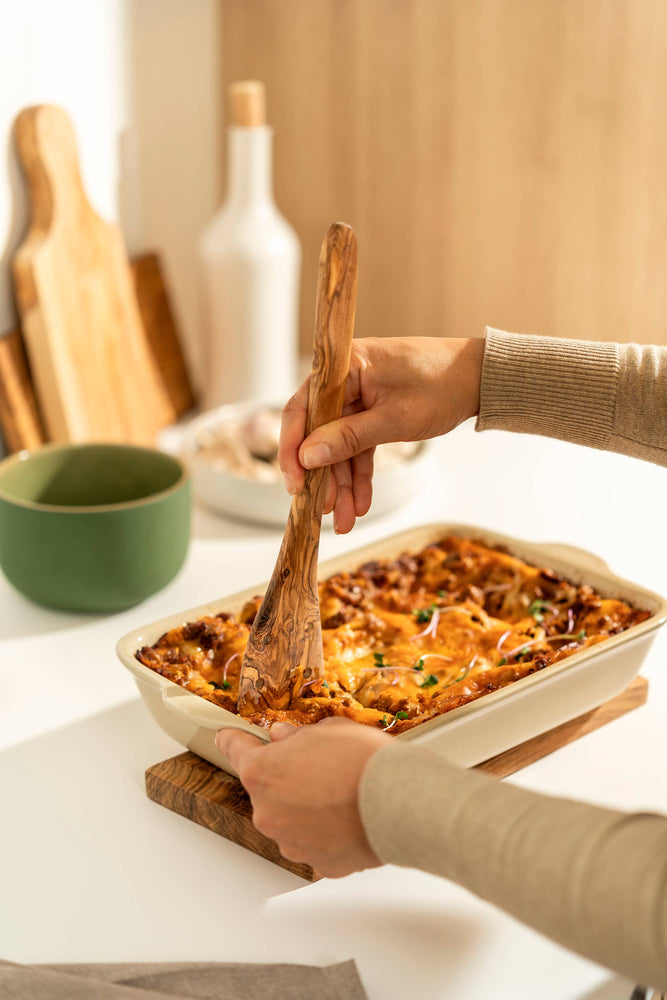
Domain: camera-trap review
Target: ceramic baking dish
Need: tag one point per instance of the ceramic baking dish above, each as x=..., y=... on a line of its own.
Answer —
x=469, y=734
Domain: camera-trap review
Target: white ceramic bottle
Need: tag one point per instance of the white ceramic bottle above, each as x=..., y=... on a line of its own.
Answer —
x=250, y=258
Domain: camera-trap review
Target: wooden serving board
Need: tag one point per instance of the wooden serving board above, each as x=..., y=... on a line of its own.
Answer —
x=161, y=333
x=21, y=422
x=202, y=792
x=91, y=363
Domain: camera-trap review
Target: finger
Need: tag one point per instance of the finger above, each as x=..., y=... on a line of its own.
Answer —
x=362, y=482
x=292, y=432
x=330, y=494
x=236, y=746
x=344, y=514
x=344, y=438
x=354, y=406
x=339, y=722
x=281, y=731
x=353, y=382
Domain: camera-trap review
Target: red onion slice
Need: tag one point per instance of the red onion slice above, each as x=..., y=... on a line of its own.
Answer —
x=502, y=638
x=226, y=666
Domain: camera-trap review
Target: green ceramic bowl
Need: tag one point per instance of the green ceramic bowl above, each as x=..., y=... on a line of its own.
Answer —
x=92, y=527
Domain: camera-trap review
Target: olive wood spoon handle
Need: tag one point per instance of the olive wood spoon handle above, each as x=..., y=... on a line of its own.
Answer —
x=284, y=648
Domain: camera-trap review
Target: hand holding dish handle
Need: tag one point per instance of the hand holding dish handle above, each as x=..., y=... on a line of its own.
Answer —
x=285, y=645
x=304, y=789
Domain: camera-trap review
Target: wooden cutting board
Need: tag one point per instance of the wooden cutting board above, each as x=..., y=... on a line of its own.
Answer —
x=161, y=332
x=90, y=360
x=21, y=423
x=20, y=420
x=196, y=789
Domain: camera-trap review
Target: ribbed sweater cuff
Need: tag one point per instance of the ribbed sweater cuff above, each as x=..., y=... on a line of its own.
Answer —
x=547, y=386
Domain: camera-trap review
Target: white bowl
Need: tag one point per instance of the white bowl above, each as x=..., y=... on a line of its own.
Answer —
x=268, y=502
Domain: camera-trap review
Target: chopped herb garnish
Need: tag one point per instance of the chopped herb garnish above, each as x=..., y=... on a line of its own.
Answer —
x=221, y=687
x=424, y=615
x=441, y=593
x=582, y=634
x=419, y=665
x=430, y=681
x=501, y=663
x=385, y=721
x=379, y=659
x=325, y=685
x=401, y=715
x=537, y=609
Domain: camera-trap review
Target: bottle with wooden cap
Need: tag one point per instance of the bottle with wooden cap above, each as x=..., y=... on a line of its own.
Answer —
x=250, y=258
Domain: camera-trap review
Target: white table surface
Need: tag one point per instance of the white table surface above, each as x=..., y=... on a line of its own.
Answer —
x=94, y=871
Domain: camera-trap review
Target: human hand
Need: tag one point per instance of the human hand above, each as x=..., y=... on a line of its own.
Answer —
x=304, y=788
x=398, y=389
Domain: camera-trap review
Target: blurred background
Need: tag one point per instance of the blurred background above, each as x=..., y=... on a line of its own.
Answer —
x=503, y=162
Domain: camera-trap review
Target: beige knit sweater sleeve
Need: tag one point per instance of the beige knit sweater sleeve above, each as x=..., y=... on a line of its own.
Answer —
x=595, y=880
x=608, y=396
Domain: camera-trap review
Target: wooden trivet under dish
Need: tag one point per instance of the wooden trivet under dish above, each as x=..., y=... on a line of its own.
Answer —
x=202, y=792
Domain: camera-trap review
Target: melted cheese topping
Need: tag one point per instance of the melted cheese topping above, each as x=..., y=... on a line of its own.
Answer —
x=408, y=639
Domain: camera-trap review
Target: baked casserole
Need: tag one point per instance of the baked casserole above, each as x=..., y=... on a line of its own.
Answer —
x=409, y=638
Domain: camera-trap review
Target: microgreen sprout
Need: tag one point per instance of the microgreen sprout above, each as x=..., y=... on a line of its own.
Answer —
x=464, y=672
x=538, y=607
x=424, y=615
x=536, y=610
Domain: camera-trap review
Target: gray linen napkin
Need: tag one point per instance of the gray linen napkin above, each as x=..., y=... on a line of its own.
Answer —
x=202, y=980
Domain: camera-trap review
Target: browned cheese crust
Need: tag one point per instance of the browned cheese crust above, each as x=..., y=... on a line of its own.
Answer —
x=410, y=638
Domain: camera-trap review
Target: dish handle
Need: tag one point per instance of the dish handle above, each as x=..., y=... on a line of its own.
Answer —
x=200, y=712
x=589, y=560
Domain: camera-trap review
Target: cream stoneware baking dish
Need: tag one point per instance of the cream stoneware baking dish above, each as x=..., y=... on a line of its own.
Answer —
x=469, y=734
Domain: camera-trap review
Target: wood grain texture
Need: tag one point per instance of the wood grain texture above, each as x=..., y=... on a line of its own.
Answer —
x=20, y=420
x=192, y=787
x=503, y=161
x=91, y=365
x=201, y=792
x=285, y=643
x=159, y=326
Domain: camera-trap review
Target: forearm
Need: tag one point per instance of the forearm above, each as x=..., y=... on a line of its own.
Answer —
x=608, y=396
x=593, y=879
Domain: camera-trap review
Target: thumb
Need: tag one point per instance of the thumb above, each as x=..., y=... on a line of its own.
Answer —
x=342, y=439
x=281, y=731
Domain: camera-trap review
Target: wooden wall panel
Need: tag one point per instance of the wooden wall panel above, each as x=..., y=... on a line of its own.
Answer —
x=504, y=162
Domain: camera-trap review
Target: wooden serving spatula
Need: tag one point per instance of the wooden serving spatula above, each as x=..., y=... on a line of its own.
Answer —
x=284, y=648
